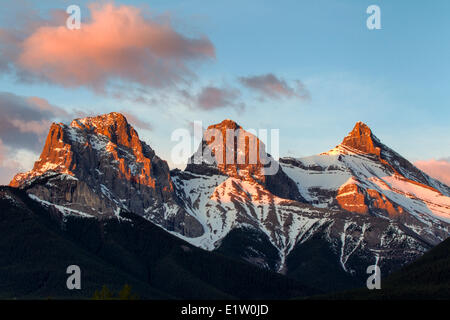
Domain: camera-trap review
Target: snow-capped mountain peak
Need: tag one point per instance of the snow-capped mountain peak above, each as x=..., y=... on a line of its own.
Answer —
x=363, y=175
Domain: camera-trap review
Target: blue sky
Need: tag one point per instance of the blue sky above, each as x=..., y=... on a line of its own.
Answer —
x=395, y=79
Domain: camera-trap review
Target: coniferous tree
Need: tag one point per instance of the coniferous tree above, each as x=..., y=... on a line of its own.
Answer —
x=126, y=294
x=104, y=294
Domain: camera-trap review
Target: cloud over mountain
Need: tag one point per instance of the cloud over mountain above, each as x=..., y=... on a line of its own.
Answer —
x=7, y=170
x=23, y=127
x=2, y=152
x=25, y=120
x=273, y=87
x=214, y=97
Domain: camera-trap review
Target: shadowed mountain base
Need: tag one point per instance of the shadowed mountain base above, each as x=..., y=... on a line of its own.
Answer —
x=428, y=278
x=37, y=245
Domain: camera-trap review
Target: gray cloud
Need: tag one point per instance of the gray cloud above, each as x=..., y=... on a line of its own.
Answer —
x=6, y=175
x=213, y=97
x=270, y=86
x=8, y=165
x=2, y=152
x=136, y=122
x=25, y=121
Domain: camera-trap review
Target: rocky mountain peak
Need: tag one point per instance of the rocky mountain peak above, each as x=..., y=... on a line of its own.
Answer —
x=98, y=166
x=108, y=119
x=240, y=154
x=56, y=156
x=232, y=151
x=361, y=139
x=72, y=149
x=226, y=124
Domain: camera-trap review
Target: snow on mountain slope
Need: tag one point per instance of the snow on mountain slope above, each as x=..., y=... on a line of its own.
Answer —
x=222, y=203
x=225, y=203
x=223, y=200
x=321, y=187
x=98, y=166
x=362, y=180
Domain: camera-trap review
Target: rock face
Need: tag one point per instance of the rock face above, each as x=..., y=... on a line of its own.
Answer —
x=350, y=198
x=360, y=138
x=99, y=166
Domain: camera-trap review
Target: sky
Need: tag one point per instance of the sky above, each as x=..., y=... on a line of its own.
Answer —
x=311, y=69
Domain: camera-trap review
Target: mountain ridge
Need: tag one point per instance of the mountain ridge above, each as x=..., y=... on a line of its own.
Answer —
x=307, y=203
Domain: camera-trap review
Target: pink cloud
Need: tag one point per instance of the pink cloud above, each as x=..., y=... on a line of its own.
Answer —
x=438, y=169
x=117, y=43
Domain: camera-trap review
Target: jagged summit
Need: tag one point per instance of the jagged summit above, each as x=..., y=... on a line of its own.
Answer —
x=362, y=139
x=235, y=152
x=226, y=124
x=113, y=125
x=240, y=154
x=98, y=166
x=71, y=149
x=359, y=130
x=363, y=175
x=107, y=118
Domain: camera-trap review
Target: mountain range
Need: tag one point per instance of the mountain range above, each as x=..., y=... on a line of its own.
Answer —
x=312, y=226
